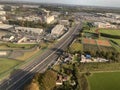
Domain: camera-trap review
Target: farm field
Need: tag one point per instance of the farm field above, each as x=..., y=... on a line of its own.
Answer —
x=6, y=64
x=89, y=41
x=108, y=49
x=106, y=44
x=97, y=45
x=87, y=47
x=104, y=81
x=96, y=42
x=76, y=46
x=103, y=42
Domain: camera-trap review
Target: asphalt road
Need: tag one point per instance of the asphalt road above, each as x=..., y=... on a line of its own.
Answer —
x=40, y=63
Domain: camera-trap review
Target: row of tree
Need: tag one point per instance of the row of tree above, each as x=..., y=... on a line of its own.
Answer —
x=44, y=81
x=31, y=24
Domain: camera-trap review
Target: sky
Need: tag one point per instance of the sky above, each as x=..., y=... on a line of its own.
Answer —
x=109, y=3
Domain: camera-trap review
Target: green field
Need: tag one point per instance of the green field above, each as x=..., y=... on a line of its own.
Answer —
x=116, y=40
x=104, y=81
x=111, y=32
x=6, y=64
x=106, y=31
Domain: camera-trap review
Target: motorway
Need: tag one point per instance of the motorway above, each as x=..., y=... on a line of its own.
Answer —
x=40, y=63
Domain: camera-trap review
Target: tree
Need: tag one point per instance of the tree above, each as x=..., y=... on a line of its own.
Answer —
x=108, y=55
x=32, y=86
x=93, y=53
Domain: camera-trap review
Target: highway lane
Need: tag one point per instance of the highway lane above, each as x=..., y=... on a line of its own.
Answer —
x=29, y=74
x=39, y=62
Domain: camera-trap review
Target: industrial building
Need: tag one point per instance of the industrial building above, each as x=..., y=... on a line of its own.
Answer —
x=104, y=25
x=64, y=22
x=58, y=30
x=26, y=29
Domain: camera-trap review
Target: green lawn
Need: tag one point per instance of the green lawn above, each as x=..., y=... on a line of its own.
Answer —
x=111, y=32
x=6, y=64
x=117, y=41
x=106, y=31
x=105, y=81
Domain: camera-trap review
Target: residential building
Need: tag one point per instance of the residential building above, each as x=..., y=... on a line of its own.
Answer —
x=49, y=19
x=19, y=18
x=30, y=6
x=31, y=18
x=64, y=22
x=1, y=7
x=2, y=18
x=22, y=40
x=2, y=13
x=0, y=22
x=46, y=12
x=59, y=80
x=8, y=37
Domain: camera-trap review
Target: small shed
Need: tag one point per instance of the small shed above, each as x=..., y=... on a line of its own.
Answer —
x=88, y=56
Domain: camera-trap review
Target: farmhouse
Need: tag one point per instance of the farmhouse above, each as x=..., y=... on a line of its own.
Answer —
x=59, y=80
